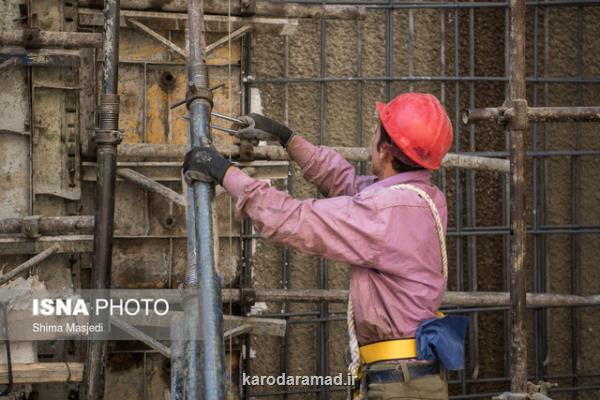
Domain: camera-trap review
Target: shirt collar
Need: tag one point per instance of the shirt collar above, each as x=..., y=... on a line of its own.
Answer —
x=421, y=176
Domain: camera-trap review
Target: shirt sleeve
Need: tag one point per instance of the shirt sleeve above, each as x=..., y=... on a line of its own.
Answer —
x=342, y=228
x=327, y=169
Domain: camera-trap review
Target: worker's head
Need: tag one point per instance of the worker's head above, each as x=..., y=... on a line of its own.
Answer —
x=414, y=132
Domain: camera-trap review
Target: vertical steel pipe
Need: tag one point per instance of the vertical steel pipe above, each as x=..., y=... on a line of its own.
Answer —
x=177, y=350
x=106, y=138
x=517, y=130
x=209, y=320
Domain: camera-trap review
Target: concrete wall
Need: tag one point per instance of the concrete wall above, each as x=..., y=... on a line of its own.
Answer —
x=434, y=33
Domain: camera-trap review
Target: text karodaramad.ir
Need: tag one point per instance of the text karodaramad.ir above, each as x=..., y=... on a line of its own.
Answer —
x=296, y=380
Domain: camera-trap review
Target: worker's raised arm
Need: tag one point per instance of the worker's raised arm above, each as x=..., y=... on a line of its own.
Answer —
x=321, y=165
x=327, y=169
x=344, y=228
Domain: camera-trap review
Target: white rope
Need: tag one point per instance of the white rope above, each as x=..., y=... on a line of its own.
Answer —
x=438, y=222
x=354, y=367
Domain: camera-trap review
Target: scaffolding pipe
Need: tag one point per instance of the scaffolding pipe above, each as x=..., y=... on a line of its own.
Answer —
x=278, y=153
x=106, y=138
x=517, y=129
x=458, y=299
x=46, y=225
x=34, y=38
x=534, y=114
x=208, y=352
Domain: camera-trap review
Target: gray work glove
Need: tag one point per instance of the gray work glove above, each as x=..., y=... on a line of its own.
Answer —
x=205, y=164
x=278, y=130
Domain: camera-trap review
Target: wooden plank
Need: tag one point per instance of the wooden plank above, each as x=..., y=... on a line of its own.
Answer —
x=43, y=372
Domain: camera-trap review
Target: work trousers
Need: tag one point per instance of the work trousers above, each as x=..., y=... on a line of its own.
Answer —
x=430, y=387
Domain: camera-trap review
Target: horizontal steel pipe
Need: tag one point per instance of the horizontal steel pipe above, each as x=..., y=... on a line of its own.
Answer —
x=534, y=114
x=278, y=153
x=561, y=114
x=46, y=225
x=463, y=299
x=263, y=8
x=65, y=40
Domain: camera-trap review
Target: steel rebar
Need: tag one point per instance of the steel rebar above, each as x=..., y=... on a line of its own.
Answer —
x=106, y=138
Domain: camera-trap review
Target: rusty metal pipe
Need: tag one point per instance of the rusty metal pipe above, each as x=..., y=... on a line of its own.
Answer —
x=33, y=38
x=462, y=299
x=263, y=8
x=49, y=225
x=278, y=153
x=106, y=137
x=534, y=114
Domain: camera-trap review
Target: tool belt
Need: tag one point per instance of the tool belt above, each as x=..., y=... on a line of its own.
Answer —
x=398, y=349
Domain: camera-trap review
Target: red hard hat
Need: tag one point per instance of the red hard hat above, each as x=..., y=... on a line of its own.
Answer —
x=419, y=125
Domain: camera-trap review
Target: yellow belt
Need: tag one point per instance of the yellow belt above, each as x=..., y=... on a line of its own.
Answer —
x=388, y=350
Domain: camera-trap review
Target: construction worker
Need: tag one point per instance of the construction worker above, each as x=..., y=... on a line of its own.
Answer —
x=389, y=227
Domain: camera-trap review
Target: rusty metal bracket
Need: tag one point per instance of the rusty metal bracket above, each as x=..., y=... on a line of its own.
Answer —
x=31, y=227
x=247, y=297
x=107, y=137
x=516, y=116
x=185, y=101
x=31, y=38
x=195, y=93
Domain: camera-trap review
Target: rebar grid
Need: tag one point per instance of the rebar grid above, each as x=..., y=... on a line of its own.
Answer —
x=463, y=184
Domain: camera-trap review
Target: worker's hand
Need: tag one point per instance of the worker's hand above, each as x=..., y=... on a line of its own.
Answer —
x=204, y=164
x=282, y=132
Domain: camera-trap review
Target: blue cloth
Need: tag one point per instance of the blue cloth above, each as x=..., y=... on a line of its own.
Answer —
x=444, y=339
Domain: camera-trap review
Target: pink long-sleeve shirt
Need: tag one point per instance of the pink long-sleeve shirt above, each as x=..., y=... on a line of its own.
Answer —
x=388, y=236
